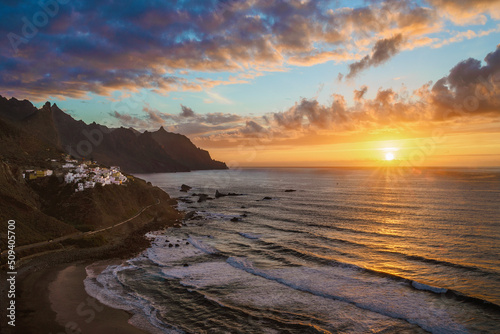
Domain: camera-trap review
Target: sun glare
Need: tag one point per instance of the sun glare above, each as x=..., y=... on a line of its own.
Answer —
x=389, y=156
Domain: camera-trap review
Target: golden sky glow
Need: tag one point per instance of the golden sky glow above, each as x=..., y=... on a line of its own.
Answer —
x=275, y=83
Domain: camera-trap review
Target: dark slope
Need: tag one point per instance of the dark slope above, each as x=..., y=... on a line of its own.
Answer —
x=15, y=110
x=47, y=208
x=184, y=151
x=133, y=151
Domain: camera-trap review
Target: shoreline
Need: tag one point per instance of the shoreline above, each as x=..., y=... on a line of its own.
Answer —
x=76, y=310
x=51, y=295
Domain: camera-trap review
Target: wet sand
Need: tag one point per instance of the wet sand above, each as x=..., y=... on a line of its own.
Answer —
x=76, y=310
x=63, y=306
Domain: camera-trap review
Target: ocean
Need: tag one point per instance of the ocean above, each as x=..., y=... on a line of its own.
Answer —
x=349, y=250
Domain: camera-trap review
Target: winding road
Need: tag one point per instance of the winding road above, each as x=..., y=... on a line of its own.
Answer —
x=79, y=234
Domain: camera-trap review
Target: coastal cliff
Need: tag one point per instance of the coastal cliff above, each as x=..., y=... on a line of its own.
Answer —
x=135, y=152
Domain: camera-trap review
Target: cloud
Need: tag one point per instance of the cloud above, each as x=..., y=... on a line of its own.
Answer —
x=186, y=122
x=186, y=112
x=129, y=121
x=469, y=93
x=469, y=89
x=103, y=46
x=382, y=51
x=358, y=94
x=467, y=11
x=469, y=34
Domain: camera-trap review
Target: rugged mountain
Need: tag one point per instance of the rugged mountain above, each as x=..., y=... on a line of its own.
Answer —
x=134, y=152
x=48, y=208
x=184, y=151
x=15, y=110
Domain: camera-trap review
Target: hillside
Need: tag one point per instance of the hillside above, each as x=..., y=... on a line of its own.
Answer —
x=47, y=208
x=184, y=151
x=135, y=152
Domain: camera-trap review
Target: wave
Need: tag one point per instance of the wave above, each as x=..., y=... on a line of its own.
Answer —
x=380, y=298
x=441, y=262
x=425, y=287
x=249, y=235
x=325, y=260
x=205, y=248
x=111, y=291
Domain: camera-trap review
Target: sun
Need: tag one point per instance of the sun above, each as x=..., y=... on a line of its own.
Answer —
x=389, y=156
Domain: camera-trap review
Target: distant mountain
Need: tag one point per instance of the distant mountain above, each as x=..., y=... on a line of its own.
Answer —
x=182, y=150
x=134, y=152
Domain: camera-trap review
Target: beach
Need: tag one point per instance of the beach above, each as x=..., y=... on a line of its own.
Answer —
x=62, y=305
x=51, y=295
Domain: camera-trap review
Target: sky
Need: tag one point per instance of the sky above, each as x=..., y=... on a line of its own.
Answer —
x=271, y=82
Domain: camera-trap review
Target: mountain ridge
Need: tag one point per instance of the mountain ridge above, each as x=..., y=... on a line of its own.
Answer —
x=135, y=152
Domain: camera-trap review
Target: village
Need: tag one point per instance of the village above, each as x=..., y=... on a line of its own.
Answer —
x=82, y=175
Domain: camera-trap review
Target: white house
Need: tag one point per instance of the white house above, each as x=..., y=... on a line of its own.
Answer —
x=89, y=184
x=69, y=178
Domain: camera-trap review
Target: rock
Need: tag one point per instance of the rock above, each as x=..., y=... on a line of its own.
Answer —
x=267, y=198
x=170, y=245
x=185, y=199
x=243, y=207
x=202, y=198
x=185, y=188
x=235, y=219
x=186, y=265
x=190, y=215
x=244, y=215
x=290, y=190
x=176, y=245
x=219, y=194
x=187, y=243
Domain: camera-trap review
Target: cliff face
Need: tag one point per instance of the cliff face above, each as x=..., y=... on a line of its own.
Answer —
x=48, y=208
x=184, y=151
x=134, y=152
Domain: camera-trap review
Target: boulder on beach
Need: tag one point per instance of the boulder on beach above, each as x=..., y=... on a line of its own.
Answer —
x=267, y=198
x=185, y=188
x=290, y=190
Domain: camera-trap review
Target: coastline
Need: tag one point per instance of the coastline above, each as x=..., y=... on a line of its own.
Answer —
x=76, y=310
x=62, y=305
x=52, y=298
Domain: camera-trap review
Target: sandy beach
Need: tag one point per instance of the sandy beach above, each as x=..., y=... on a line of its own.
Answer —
x=62, y=305
x=52, y=298
x=77, y=311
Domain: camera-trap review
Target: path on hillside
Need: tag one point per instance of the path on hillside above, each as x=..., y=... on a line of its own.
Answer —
x=79, y=234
